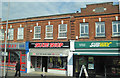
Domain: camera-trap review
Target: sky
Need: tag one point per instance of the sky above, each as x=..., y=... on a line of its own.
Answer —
x=19, y=9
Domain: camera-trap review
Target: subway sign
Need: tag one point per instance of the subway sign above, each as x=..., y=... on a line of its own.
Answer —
x=49, y=45
x=97, y=44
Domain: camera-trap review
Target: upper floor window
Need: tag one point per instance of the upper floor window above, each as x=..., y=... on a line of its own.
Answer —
x=10, y=34
x=100, y=29
x=37, y=32
x=49, y=31
x=84, y=30
x=1, y=34
x=20, y=33
x=116, y=28
x=62, y=31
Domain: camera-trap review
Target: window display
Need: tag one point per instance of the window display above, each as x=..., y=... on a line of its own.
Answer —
x=57, y=62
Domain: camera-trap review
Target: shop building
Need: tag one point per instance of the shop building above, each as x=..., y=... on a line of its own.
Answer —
x=99, y=57
x=95, y=42
x=16, y=52
x=52, y=56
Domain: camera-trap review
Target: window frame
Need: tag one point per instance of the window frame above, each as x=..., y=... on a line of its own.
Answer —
x=2, y=34
x=62, y=32
x=18, y=34
x=84, y=24
x=49, y=32
x=100, y=23
x=37, y=33
x=9, y=35
x=115, y=23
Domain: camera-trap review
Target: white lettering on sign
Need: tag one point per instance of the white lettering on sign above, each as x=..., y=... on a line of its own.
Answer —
x=101, y=44
x=82, y=45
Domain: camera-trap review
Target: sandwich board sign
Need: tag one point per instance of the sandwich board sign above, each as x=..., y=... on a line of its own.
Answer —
x=85, y=71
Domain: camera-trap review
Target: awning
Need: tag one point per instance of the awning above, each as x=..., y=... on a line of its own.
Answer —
x=97, y=53
x=49, y=52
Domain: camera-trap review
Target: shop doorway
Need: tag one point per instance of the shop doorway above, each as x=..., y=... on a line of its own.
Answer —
x=100, y=66
x=44, y=63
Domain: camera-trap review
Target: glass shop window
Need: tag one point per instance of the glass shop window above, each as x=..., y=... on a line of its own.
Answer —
x=114, y=66
x=57, y=62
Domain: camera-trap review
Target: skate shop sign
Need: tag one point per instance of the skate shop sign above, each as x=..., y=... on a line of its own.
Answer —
x=49, y=45
x=97, y=44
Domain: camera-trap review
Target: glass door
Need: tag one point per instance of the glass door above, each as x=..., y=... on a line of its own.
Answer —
x=78, y=62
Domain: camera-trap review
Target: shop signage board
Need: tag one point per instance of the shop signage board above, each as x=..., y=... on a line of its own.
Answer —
x=90, y=66
x=49, y=44
x=97, y=44
x=13, y=45
x=85, y=71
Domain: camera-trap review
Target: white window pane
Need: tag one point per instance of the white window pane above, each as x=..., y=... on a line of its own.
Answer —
x=62, y=27
x=37, y=32
x=62, y=30
x=118, y=27
x=49, y=28
x=63, y=35
x=10, y=34
x=86, y=29
x=82, y=29
x=49, y=35
x=102, y=28
x=1, y=34
x=49, y=31
x=84, y=34
x=20, y=33
x=37, y=35
x=37, y=29
x=114, y=28
x=98, y=29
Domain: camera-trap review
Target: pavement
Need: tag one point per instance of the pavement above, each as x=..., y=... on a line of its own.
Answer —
x=35, y=74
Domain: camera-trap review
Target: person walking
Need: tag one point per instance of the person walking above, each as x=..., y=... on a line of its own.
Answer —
x=17, y=67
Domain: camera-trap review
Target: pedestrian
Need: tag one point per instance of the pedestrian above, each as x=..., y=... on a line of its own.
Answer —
x=17, y=67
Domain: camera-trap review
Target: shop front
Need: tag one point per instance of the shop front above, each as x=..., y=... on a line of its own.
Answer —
x=16, y=52
x=50, y=56
x=100, y=58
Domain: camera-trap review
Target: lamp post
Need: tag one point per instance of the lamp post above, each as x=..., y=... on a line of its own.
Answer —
x=6, y=42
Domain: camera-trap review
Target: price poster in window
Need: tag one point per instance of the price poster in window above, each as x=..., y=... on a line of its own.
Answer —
x=90, y=66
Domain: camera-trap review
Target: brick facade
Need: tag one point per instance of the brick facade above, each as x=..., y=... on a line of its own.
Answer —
x=106, y=11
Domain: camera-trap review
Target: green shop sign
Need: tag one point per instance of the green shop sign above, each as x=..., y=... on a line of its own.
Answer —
x=97, y=44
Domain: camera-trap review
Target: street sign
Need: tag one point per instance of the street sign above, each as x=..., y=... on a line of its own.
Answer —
x=4, y=53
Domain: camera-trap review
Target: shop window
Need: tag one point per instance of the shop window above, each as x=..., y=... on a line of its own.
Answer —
x=62, y=31
x=79, y=61
x=57, y=63
x=1, y=34
x=84, y=30
x=90, y=62
x=49, y=31
x=113, y=67
x=116, y=28
x=100, y=29
x=10, y=34
x=37, y=32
